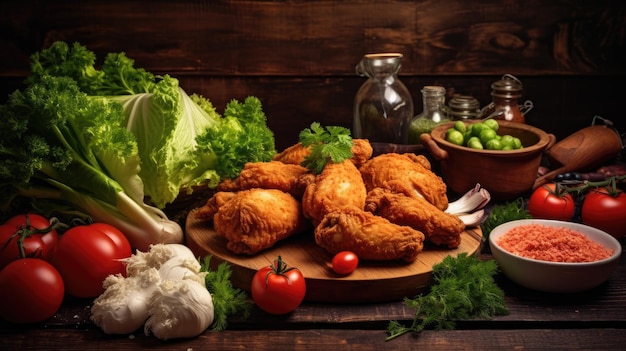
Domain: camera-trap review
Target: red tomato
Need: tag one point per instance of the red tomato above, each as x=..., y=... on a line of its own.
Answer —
x=546, y=203
x=32, y=291
x=277, y=289
x=34, y=243
x=87, y=254
x=605, y=212
x=345, y=262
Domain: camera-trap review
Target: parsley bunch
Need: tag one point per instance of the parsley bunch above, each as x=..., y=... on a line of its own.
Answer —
x=332, y=144
x=227, y=300
x=463, y=288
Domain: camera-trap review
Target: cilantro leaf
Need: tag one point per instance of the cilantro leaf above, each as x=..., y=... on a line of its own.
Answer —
x=330, y=144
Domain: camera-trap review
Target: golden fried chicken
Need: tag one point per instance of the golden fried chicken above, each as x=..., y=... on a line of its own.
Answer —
x=339, y=185
x=214, y=203
x=440, y=228
x=408, y=174
x=295, y=154
x=370, y=237
x=256, y=219
x=361, y=151
x=290, y=178
x=227, y=184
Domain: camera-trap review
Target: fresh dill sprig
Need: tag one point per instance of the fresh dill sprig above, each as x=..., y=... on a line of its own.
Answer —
x=463, y=288
x=227, y=300
x=330, y=144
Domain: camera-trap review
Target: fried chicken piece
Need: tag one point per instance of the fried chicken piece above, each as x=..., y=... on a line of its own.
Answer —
x=212, y=205
x=339, y=185
x=408, y=174
x=295, y=154
x=290, y=178
x=370, y=237
x=227, y=184
x=362, y=151
x=440, y=228
x=256, y=219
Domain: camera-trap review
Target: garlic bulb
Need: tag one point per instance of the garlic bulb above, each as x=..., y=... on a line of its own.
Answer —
x=123, y=306
x=158, y=254
x=179, y=309
x=164, y=289
x=177, y=269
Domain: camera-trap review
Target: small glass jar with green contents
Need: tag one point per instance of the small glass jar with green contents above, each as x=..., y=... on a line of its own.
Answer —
x=433, y=114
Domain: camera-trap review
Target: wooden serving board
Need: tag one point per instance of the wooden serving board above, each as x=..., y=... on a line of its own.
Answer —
x=371, y=282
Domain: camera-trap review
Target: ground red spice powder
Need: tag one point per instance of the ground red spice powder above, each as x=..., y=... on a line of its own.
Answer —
x=554, y=244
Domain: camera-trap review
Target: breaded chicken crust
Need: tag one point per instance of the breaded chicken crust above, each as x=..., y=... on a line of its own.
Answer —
x=256, y=219
x=339, y=185
x=290, y=178
x=370, y=237
x=295, y=154
x=409, y=174
x=213, y=204
x=439, y=227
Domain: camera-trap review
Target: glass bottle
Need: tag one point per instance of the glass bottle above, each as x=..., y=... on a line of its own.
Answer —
x=383, y=107
x=462, y=107
x=434, y=112
x=505, y=105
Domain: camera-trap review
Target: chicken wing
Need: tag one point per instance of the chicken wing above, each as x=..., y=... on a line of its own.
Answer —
x=295, y=154
x=212, y=205
x=339, y=185
x=256, y=219
x=409, y=174
x=439, y=227
x=289, y=178
x=370, y=237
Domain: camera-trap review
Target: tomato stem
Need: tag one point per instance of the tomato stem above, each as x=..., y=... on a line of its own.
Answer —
x=279, y=267
x=610, y=184
x=25, y=230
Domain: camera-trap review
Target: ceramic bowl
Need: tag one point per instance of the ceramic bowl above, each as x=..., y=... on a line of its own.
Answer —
x=506, y=174
x=556, y=277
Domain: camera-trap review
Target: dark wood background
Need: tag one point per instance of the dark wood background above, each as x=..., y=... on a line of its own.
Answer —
x=298, y=57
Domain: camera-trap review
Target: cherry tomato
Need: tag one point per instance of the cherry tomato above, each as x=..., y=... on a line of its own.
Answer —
x=345, y=262
x=605, y=212
x=27, y=229
x=547, y=202
x=277, y=289
x=87, y=254
x=32, y=291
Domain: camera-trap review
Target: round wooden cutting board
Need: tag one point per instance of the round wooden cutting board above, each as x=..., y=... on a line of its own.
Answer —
x=371, y=282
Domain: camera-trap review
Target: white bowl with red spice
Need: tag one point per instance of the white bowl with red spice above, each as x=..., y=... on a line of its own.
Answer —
x=554, y=256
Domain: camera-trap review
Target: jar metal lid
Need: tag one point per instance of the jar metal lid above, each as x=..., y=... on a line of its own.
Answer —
x=508, y=86
x=464, y=106
x=434, y=89
x=464, y=102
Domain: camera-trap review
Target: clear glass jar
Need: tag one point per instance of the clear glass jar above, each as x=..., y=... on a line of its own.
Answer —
x=434, y=112
x=383, y=107
x=505, y=105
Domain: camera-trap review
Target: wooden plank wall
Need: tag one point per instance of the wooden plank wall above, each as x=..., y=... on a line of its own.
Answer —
x=298, y=57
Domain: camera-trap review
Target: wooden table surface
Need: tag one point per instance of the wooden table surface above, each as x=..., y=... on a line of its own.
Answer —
x=592, y=320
